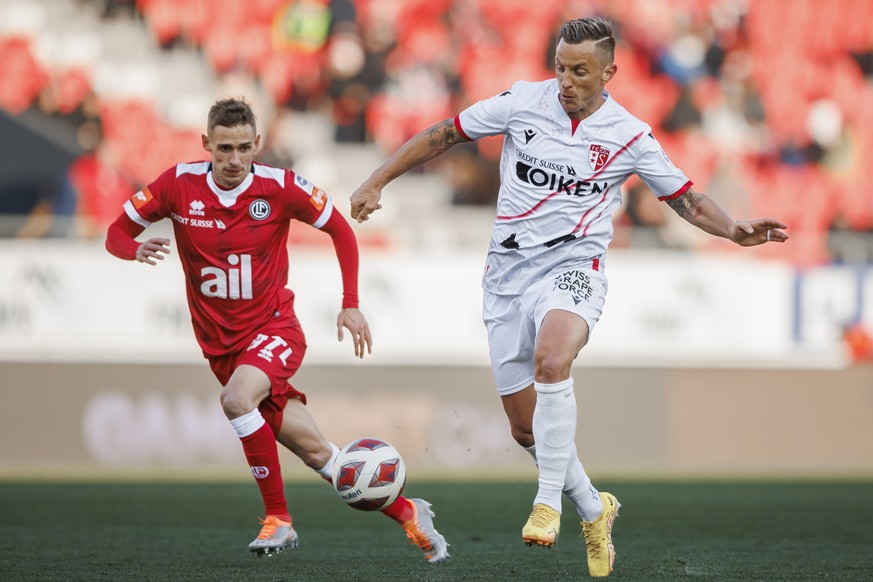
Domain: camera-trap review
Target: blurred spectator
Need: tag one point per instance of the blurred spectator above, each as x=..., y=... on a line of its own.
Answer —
x=848, y=245
x=36, y=209
x=100, y=189
x=859, y=343
x=642, y=222
x=475, y=181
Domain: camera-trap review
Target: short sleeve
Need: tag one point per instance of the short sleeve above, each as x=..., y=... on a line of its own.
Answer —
x=487, y=117
x=656, y=169
x=147, y=205
x=307, y=202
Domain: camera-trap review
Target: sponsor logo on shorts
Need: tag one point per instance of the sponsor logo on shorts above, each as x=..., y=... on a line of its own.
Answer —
x=576, y=283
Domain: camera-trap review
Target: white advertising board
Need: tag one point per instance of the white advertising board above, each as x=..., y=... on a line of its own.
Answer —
x=72, y=301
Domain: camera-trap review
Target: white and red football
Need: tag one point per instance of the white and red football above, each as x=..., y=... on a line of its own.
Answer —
x=369, y=474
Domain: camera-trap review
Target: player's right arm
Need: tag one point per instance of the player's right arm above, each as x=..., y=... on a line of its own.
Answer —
x=425, y=146
x=121, y=242
x=140, y=211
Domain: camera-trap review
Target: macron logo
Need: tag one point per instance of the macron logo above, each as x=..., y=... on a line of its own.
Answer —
x=197, y=208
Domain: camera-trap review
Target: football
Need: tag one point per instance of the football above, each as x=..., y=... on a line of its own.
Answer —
x=369, y=474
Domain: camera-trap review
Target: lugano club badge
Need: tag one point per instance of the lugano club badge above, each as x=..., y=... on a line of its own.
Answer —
x=259, y=209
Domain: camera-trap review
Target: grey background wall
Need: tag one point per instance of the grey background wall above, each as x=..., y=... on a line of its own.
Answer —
x=95, y=421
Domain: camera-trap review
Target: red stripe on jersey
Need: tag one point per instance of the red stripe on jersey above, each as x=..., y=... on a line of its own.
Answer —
x=594, y=175
x=531, y=211
x=461, y=129
x=678, y=192
x=587, y=212
x=618, y=153
x=595, y=263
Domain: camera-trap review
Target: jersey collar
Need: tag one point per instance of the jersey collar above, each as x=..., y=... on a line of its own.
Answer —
x=594, y=117
x=228, y=197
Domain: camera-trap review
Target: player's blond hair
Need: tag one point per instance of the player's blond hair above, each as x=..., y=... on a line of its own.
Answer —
x=231, y=112
x=597, y=29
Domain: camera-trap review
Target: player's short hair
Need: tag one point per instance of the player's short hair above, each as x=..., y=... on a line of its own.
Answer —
x=231, y=112
x=597, y=29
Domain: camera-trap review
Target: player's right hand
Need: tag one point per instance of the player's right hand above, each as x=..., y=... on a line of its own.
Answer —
x=365, y=201
x=152, y=249
x=353, y=320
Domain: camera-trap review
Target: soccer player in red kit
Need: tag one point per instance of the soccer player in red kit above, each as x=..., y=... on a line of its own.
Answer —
x=230, y=220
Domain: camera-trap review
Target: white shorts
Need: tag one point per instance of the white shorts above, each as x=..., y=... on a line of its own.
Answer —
x=513, y=321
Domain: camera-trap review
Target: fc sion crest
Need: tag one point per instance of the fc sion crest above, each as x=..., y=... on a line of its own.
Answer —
x=597, y=156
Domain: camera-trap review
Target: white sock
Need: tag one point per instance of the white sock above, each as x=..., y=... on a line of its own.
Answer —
x=577, y=487
x=248, y=423
x=554, y=429
x=327, y=470
x=532, y=451
x=579, y=490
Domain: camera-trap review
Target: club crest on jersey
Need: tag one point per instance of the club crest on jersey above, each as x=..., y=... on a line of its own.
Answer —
x=597, y=156
x=259, y=209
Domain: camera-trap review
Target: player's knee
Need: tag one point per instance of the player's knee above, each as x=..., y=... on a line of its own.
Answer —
x=523, y=436
x=550, y=367
x=235, y=404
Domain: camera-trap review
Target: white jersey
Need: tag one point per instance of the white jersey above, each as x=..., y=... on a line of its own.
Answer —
x=559, y=187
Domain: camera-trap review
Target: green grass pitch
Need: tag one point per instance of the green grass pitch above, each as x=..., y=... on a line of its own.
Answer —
x=665, y=531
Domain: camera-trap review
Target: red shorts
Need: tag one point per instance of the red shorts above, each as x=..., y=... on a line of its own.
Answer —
x=277, y=349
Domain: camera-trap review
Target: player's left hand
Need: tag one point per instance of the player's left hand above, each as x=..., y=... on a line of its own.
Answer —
x=749, y=233
x=353, y=320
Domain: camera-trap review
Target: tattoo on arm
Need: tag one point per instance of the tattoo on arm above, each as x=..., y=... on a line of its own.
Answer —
x=688, y=205
x=443, y=135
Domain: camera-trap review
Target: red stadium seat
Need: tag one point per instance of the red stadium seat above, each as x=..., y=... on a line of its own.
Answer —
x=21, y=76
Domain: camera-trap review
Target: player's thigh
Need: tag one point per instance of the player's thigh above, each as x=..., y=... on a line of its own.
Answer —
x=511, y=337
x=277, y=350
x=561, y=336
x=566, y=306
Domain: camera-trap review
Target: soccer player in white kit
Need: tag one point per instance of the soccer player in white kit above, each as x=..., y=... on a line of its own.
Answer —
x=567, y=150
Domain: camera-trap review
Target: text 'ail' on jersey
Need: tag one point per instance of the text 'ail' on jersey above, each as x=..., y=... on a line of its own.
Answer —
x=232, y=244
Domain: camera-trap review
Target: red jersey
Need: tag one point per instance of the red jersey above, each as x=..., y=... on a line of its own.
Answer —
x=232, y=244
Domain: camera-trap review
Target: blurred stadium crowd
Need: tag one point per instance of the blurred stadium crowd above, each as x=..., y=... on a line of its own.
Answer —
x=766, y=104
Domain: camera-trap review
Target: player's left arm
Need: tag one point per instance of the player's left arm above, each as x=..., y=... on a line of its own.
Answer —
x=350, y=317
x=701, y=211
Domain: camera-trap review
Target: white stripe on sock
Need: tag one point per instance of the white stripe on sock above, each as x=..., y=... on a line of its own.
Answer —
x=248, y=423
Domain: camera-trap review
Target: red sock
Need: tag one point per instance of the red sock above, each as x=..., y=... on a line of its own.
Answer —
x=400, y=511
x=263, y=457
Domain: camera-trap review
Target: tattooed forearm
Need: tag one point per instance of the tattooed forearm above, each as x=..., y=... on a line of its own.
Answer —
x=443, y=135
x=688, y=205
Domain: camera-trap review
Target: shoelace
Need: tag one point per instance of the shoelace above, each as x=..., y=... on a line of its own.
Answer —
x=593, y=536
x=540, y=517
x=271, y=525
x=416, y=536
